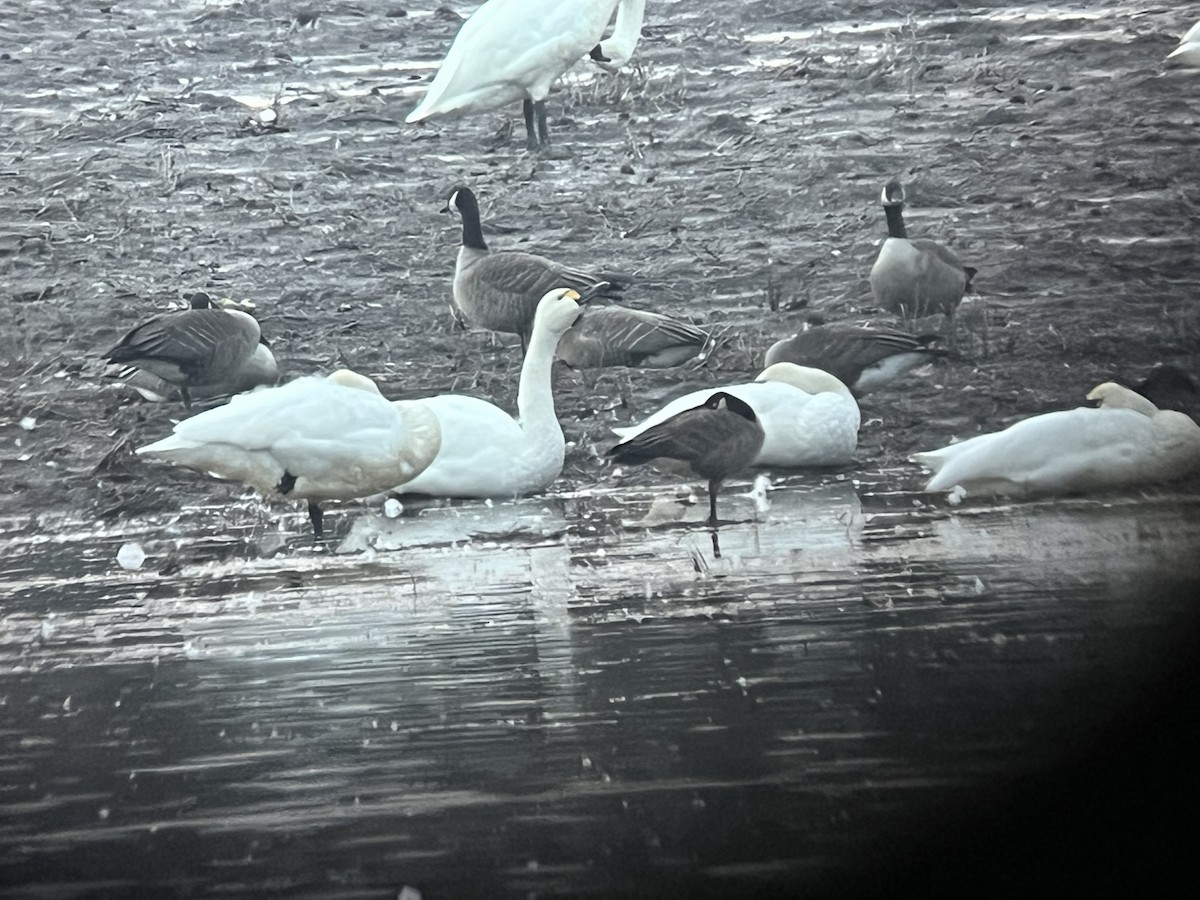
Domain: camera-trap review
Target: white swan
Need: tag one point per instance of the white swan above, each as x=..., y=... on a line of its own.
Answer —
x=1126, y=441
x=1187, y=54
x=808, y=416
x=486, y=452
x=511, y=50
x=311, y=439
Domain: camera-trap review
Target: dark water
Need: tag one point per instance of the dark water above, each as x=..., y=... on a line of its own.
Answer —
x=531, y=699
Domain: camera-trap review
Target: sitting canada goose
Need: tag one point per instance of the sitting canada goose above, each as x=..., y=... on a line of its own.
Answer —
x=486, y=452
x=501, y=291
x=1170, y=387
x=864, y=358
x=311, y=439
x=1187, y=54
x=915, y=277
x=511, y=50
x=1126, y=441
x=618, y=336
x=203, y=351
x=809, y=418
x=719, y=437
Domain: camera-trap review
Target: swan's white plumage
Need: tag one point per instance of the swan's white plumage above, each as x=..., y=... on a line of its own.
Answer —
x=485, y=452
x=511, y=50
x=618, y=47
x=1187, y=54
x=336, y=436
x=1126, y=441
x=809, y=418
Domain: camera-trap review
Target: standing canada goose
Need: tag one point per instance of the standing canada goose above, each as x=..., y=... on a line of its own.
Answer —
x=864, y=358
x=915, y=277
x=485, y=452
x=618, y=336
x=501, y=291
x=1187, y=54
x=719, y=437
x=311, y=439
x=808, y=417
x=511, y=50
x=1126, y=441
x=205, y=350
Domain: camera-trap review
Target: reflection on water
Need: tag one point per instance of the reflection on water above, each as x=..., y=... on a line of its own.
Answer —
x=543, y=697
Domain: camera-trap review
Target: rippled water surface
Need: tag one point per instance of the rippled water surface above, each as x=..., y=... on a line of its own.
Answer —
x=547, y=696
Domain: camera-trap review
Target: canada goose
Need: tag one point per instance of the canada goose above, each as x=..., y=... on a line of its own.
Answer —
x=864, y=358
x=915, y=277
x=1187, y=54
x=202, y=351
x=511, y=50
x=501, y=291
x=311, y=439
x=808, y=416
x=719, y=437
x=1126, y=441
x=485, y=451
x=1170, y=387
x=618, y=336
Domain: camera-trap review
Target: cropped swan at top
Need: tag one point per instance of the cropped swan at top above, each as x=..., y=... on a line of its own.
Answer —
x=501, y=291
x=1126, y=441
x=313, y=439
x=204, y=351
x=511, y=50
x=717, y=438
x=809, y=418
x=915, y=277
x=485, y=452
x=865, y=359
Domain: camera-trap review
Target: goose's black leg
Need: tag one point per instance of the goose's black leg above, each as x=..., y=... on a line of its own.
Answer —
x=317, y=518
x=713, y=521
x=187, y=400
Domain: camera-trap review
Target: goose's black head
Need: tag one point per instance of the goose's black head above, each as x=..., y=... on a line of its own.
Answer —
x=463, y=199
x=200, y=300
x=893, y=193
x=722, y=400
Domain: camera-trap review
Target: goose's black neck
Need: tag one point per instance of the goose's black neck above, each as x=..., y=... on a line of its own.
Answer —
x=472, y=230
x=895, y=220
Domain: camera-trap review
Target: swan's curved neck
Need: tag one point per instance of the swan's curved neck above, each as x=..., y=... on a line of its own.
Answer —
x=626, y=31
x=472, y=229
x=535, y=395
x=895, y=221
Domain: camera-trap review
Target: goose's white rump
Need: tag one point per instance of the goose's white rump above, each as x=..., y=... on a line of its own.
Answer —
x=1126, y=441
x=336, y=437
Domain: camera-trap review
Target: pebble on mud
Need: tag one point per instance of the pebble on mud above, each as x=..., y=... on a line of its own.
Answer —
x=131, y=556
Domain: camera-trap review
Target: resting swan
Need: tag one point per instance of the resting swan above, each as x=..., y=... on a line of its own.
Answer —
x=511, y=50
x=808, y=416
x=485, y=452
x=311, y=439
x=1126, y=441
